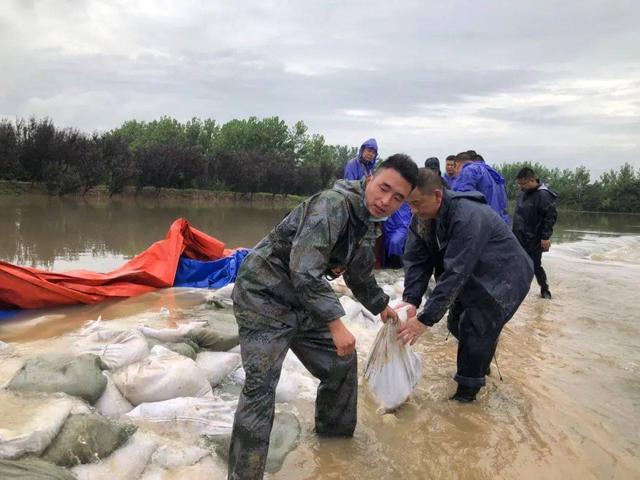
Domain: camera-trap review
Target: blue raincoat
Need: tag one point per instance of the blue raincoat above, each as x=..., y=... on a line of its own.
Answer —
x=480, y=177
x=356, y=168
x=395, y=231
x=450, y=181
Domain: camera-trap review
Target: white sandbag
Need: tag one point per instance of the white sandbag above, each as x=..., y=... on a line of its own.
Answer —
x=205, y=469
x=126, y=463
x=357, y=314
x=170, y=334
x=161, y=376
x=390, y=291
x=175, y=455
x=112, y=403
x=28, y=424
x=217, y=365
x=392, y=369
x=116, y=348
x=340, y=287
x=288, y=387
x=224, y=292
x=187, y=416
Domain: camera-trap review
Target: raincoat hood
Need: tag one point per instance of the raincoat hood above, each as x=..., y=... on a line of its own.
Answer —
x=371, y=143
x=499, y=179
x=353, y=191
x=544, y=186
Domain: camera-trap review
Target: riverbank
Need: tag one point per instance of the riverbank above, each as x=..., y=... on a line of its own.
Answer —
x=101, y=193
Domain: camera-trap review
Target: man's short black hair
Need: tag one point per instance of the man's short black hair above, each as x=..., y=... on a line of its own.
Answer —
x=433, y=163
x=451, y=158
x=463, y=157
x=404, y=165
x=526, y=173
x=429, y=181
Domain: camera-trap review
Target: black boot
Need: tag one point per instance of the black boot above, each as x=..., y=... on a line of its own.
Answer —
x=465, y=394
x=545, y=293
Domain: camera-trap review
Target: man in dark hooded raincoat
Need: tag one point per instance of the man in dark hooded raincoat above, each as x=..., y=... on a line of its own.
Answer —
x=283, y=300
x=533, y=222
x=485, y=275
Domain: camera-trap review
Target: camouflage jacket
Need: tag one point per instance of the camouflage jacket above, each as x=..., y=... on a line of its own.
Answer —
x=285, y=277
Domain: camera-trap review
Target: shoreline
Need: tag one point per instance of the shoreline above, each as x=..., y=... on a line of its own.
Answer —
x=100, y=193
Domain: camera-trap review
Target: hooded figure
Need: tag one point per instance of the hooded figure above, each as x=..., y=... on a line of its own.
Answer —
x=533, y=222
x=283, y=300
x=360, y=166
x=485, y=275
x=480, y=177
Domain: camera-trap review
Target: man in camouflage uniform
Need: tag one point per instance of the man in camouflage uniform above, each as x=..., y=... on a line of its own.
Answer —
x=282, y=300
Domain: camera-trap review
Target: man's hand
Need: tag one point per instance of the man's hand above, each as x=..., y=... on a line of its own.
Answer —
x=545, y=245
x=409, y=331
x=344, y=341
x=389, y=314
x=412, y=311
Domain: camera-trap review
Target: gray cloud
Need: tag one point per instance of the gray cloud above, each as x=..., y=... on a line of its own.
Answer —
x=559, y=81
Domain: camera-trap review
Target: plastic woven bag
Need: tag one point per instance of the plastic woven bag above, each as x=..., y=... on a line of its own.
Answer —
x=392, y=369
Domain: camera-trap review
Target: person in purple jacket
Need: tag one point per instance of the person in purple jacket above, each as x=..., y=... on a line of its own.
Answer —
x=473, y=174
x=363, y=164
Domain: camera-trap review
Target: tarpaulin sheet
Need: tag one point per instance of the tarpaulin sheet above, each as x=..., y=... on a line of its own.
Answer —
x=214, y=274
x=26, y=287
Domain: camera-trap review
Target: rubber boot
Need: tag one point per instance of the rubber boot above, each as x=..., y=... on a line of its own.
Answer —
x=465, y=394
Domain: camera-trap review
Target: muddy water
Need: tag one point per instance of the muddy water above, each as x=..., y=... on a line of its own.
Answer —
x=569, y=402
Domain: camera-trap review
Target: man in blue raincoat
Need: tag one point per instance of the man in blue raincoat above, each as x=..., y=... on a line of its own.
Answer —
x=363, y=164
x=449, y=176
x=473, y=174
x=397, y=225
x=484, y=275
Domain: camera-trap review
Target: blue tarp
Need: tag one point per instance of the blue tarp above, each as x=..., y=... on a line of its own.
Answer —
x=4, y=314
x=213, y=274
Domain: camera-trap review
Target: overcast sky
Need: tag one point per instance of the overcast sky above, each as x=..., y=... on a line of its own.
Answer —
x=555, y=82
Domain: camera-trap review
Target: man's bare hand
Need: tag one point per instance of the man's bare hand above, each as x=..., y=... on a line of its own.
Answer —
x=410, y=331
x=412, y=311
x=389, y=314
x=344, y=341
x=545, y=245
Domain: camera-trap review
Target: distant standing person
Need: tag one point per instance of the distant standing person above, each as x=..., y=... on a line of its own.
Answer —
x=450, y=172
x=533, y=222
x=363, y=164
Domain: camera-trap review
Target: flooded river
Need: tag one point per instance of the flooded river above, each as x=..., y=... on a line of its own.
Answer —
x=569, y=402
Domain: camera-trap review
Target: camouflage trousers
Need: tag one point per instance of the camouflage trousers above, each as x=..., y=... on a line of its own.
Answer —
x=264, y=344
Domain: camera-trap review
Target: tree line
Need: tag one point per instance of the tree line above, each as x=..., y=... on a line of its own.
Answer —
x=614, y=191
x=247, y=156
x=251, y=155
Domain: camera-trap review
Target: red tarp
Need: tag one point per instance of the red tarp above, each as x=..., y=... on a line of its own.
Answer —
x=25, y=287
